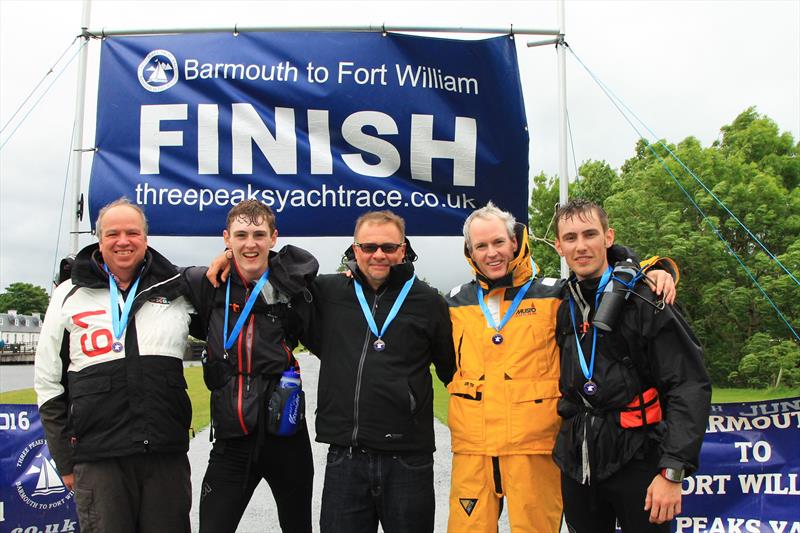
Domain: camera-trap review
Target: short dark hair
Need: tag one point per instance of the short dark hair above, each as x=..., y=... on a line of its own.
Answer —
x=381, y=217
x=252, y=212
x=582, y=209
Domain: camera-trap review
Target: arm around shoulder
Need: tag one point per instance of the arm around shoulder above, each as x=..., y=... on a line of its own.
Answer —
x=444, y=357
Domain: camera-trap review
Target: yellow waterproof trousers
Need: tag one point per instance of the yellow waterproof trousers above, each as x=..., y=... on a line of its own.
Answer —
x=531, y=485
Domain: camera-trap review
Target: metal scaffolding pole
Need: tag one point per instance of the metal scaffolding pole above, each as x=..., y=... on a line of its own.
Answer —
x=563, y=177
x=561, y=49
x=105, y=32
x=77, y=141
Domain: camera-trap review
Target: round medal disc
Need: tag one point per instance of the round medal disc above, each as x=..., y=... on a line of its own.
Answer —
x=590, y=387
x=379, y=345
x=117, y=346
x=497, y=338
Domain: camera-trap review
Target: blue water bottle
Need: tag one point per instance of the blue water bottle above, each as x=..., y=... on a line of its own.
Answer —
x=290, y=379
x=293, y=408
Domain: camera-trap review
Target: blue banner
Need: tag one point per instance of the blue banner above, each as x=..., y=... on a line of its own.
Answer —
x=32, y=496
x=749, y=470
x=320, y=126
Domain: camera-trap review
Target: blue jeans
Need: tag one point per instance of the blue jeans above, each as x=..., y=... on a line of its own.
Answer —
x=364, y=487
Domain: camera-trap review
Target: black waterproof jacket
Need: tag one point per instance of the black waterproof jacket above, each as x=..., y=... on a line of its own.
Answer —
x=647, y=348
x=239, y=377
x=382, y=401
x=96, y=403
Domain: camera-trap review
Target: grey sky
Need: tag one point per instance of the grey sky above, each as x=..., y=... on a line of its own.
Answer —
x=685, y=68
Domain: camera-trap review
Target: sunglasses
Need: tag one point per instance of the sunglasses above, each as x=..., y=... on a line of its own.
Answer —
x=372, y=247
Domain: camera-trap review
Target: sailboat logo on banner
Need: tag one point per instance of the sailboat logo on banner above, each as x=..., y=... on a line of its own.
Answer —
x=47, y=481
x=159, y=71
x=39, y=485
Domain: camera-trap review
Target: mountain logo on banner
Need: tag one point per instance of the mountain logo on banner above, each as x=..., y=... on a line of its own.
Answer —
x=158, y=71
x=40, y=486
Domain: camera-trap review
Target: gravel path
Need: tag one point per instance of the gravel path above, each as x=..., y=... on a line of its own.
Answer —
x=261, y=515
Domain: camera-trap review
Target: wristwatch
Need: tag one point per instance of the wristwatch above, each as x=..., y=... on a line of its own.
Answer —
x=673, y=474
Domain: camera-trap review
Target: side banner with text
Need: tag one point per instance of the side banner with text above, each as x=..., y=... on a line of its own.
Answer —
x=749, y=469
x=320, y=126
x=32, y=496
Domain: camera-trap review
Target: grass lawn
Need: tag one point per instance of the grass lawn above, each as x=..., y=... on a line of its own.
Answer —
x=718, y=395
x=752, y=395
x=199, y=396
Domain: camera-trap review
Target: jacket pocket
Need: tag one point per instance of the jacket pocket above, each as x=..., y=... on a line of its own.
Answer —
x=533, y=419
x=216, y=372
x=235, y=406
x=89, y=403
x=466, y=413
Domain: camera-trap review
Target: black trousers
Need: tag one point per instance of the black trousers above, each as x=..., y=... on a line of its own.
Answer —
x=144, y=493
x=236, y=467
x=595, y=508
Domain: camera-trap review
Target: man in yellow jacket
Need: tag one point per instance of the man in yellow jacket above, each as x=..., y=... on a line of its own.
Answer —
x=503, y=396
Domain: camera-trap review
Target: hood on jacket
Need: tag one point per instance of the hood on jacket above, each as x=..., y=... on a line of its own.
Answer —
x=519, y=268
x=292, y=269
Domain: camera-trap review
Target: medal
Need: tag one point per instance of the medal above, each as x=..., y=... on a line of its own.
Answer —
x=590, y=387
x=379, y=344
x=119, y=323
x=497, y=338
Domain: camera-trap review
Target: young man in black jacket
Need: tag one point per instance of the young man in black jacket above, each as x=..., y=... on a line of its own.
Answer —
x=376, y=334
x=635, y=393
x=251, y=331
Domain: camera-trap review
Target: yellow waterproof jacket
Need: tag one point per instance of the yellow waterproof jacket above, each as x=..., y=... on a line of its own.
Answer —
x=503, y=396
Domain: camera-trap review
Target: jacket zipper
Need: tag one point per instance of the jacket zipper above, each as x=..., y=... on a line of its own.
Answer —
x=354, y=438
x=240, y=377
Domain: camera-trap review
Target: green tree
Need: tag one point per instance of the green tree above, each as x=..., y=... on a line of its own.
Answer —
x=542, y=208
x=754, y=170
x=25, y=298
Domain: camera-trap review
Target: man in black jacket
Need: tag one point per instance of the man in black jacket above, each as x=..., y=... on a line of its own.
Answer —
x=109, y=381
x=376, y=334
x=635, y=393
x=251, y=331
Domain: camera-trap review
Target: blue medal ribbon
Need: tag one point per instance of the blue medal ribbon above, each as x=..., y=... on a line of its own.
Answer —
x=251, y=300
x=120, y=323
x=588, y=371
x=497, y=339
x=373, y=327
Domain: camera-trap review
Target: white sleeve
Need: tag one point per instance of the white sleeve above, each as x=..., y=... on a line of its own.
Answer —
x=47, y=364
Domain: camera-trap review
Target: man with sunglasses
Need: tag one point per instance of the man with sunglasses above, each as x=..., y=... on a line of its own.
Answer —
x=376, y=333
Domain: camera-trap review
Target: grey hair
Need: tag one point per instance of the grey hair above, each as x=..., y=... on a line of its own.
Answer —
x=98, y=228
x=485, y=213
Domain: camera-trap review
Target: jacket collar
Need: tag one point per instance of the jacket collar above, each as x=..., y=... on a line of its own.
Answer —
x=88, y=271
x=519, y=269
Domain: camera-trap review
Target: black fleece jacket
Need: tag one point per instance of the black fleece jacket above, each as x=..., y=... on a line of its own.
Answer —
x=379, y=400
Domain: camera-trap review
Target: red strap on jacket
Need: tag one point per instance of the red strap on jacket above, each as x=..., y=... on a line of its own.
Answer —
x=645, y=409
